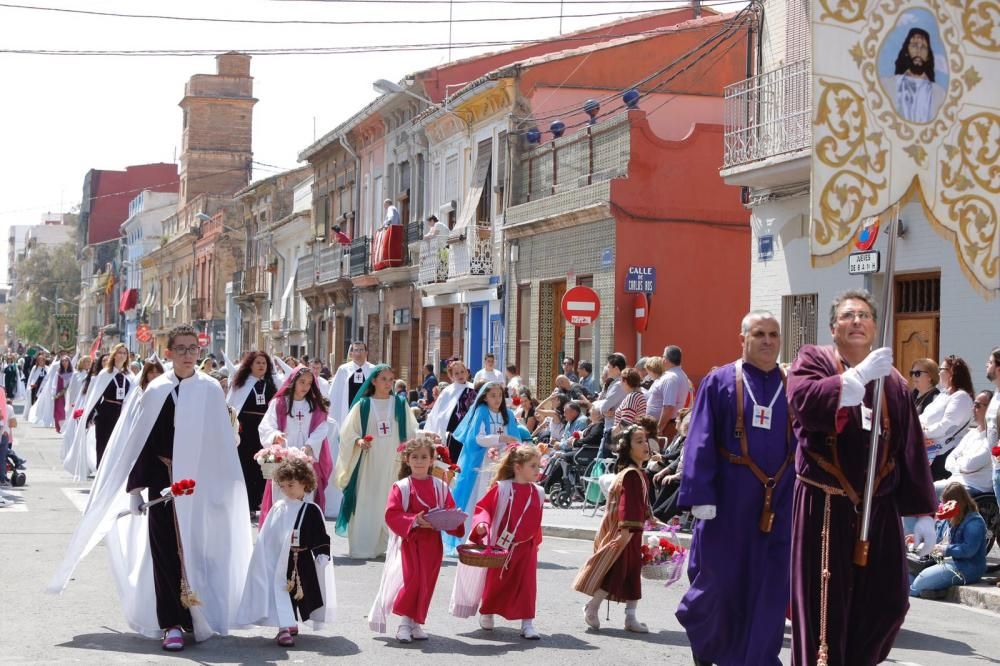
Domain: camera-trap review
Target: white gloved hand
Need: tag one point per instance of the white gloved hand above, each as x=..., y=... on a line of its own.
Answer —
x=703, y=511
x=322, y=560
x=135, y=504
x=924, y=536
x=852, y=383
x=877, y=364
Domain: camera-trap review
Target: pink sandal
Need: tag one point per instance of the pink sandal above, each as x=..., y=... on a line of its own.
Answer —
x=173, y=639
x=284, y=638
x=294, y=631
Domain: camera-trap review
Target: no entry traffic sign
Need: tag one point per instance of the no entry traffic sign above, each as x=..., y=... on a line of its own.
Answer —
x=580, y=306
x=203, y=339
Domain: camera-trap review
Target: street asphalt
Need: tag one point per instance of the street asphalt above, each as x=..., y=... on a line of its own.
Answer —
x=85, y=625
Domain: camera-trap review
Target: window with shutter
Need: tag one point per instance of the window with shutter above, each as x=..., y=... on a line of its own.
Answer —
x=798, y=322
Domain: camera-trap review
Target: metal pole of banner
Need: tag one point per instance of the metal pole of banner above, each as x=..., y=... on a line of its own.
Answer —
x=862, y=546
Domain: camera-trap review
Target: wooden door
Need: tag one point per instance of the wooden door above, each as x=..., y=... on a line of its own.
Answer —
x=558, y=330
x=916, y=336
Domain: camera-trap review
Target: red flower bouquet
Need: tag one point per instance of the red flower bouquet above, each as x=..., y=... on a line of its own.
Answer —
x=182, y=487
x=662, y=559
x=995, y=451
x=444, y=468
x=516, y=401
x=77, y=413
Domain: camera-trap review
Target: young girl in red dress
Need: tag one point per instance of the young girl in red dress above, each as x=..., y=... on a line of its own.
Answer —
x=509, y=516
x=413, y=559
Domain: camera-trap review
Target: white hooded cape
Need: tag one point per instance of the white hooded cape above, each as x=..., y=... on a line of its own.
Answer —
x=81, y=455
x=41, y=413
x=32, y=374
x=265, y=596
x=214, y=522
x=337, y=416
x=437, y=420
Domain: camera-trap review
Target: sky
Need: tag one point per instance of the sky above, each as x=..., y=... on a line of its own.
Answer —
x=64, y=115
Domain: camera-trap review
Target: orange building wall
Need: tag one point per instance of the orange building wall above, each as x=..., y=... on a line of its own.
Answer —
x=675, y=213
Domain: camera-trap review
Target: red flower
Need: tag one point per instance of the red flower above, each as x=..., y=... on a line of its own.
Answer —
x=996, y=451
x=516, y=401
x=577, y=434
x=77, y=413
x=368, y=438
x=455, y=468
x=947, y=510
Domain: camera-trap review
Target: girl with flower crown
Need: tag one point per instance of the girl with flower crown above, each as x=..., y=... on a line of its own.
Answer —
x=296, y=419
x=368, y=464
x=413, y=560
x=614, y=570
x=490, y=424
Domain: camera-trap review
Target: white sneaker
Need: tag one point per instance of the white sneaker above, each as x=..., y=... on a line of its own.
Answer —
x=404, y=634
x=528, y=630
x=486, y=622
x=418, y=632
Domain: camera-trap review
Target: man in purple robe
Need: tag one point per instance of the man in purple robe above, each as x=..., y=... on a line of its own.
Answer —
x=738, y=480
x=843, y=613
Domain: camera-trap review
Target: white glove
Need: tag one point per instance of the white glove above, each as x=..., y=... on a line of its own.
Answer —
x=852, y=383
x=135, y=504
x=322, y=560
x=703, y=511
x=924, y=537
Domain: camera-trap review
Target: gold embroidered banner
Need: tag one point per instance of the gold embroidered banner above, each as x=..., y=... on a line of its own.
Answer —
x=907, y=105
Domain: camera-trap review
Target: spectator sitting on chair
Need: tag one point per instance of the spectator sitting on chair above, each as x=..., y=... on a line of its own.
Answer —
x=969, y=462
x=965, y=552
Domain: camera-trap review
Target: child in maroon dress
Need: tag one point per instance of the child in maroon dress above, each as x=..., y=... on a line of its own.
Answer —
x=420, y=548
x=614, y=570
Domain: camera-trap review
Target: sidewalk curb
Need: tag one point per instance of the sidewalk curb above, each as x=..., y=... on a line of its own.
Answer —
x=590, y=533
x=986, y=597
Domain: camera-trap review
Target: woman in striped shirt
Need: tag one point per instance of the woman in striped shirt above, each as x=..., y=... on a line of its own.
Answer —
x=633, y=407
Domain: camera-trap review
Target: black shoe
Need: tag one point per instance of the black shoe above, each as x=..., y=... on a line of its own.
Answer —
x=936, y=595
x=700, y=662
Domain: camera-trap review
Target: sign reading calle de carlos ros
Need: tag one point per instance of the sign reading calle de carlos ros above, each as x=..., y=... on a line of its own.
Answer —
x=906, y=107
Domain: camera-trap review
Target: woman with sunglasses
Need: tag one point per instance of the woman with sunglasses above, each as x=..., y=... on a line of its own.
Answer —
x=945, y=420
x=924, y=377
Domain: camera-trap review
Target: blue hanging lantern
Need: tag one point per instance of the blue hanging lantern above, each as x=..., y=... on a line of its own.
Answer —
x=557, y=128
x=631, y=98
x=591, y=107
x=533, y=135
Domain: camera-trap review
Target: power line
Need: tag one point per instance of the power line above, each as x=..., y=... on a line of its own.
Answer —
x=247, y=21
x=338, y=50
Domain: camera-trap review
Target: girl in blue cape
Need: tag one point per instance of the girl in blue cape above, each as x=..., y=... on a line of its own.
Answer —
x=490, y=424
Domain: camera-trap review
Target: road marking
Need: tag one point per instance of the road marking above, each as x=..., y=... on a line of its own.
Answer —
x=15, y=502
x=78, y=496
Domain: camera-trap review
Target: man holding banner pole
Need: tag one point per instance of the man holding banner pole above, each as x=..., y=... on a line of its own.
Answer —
x=847, y=609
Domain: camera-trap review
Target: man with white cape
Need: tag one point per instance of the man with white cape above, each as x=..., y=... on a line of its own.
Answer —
x=166, y=584
x=41, y=412
x=343, y=388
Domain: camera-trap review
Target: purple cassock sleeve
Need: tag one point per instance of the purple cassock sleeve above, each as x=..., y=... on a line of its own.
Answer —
x=701, y=456
x=814, y=391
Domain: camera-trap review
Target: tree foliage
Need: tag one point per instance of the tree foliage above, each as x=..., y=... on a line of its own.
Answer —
x=52, y=272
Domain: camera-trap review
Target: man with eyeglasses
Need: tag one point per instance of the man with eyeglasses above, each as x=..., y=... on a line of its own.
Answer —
x=199, y=545
x=842, y=612
x=738, y=479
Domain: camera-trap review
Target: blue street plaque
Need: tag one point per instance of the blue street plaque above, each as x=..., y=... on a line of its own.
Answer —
x=607, y=257
x=765, y=247
x=640, y=280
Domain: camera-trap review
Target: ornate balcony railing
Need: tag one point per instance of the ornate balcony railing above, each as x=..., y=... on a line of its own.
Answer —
x=433, y=262
x=768, y=115
x=334, y=264
x=474, y=256
x=359, y=255
x=305, y=274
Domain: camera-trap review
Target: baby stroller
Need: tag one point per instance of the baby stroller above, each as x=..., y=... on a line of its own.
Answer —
x=565, y=484
x=17, y=477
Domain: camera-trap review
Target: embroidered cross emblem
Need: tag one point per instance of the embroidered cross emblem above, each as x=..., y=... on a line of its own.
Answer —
x=760, y=417
x=384, y=428
x=300, y=416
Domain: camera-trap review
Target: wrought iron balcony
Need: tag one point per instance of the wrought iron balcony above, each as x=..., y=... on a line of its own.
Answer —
x=256, y=281
x=474, y=256
x=305, y=274
x=334, y=264
x=433, y=262
x=768, y=115
x=359, y=255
